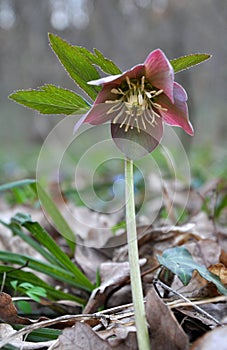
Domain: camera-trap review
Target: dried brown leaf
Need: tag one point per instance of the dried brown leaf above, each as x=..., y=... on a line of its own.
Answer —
x=223, y=257
x=112, y=275
x=6, y=331
x=216, y=339
x=221, y=271
x=81, y=337
x=8, y=312
x=125, y=338
x=166, y=333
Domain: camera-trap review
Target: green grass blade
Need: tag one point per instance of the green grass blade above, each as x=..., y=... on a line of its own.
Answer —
x=21, y=276
x=45, y=268
x=10, y=185
x=58, y=220
x=60, y=258
x=17, y=231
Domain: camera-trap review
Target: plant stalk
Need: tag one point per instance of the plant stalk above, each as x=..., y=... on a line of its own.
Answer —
x=133, y=255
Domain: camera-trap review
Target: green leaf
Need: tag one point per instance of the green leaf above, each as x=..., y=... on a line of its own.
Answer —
x=181, y=263
x=46, y=240
x=20, y=276
x=11, y=185
x=185, y=62
x=53, y=252
x=41, y=334
x=15, y=228
x=56, y=216
x=54, y=271
x=50, y=99
x=106, y=65
x=76, y=64
x=24, y=306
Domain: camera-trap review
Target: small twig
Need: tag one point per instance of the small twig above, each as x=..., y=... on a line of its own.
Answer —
x=201, y=311
x=102, y=316
x=115, y=309
x=46, y=323
x=178, y=302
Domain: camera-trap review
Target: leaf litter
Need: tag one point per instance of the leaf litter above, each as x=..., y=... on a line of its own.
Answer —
x=107, y=320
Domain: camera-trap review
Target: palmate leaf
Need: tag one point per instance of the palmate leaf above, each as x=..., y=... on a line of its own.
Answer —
x=51, y=99
x=181, y=263
x=185, y=62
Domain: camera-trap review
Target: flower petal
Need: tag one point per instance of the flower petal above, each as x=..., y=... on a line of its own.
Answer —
x=104, y=80
x=136, y=144
x=177, y=113
x=98, y=114
x=115, y=80
x=159, y=72
x=105, y=95
x=79, y=123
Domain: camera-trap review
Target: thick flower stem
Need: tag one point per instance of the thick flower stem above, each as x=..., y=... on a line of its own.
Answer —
x=133, y=254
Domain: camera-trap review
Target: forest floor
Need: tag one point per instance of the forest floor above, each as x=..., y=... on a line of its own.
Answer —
x=46, y=304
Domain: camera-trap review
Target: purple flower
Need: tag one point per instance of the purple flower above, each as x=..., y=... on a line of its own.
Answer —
x=138, y=102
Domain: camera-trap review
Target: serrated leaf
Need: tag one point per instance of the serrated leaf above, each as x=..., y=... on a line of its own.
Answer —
x=50, y=99
x=181, y=263
x=106, y=65
x=185, y=62
x=78, y=66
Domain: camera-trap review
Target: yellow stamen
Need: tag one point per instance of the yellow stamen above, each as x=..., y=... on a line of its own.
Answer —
x=135, y=105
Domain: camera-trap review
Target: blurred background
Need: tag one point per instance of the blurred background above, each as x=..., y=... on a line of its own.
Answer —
x=125, y=31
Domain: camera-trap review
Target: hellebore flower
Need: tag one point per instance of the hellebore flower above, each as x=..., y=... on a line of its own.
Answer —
x=138, y=102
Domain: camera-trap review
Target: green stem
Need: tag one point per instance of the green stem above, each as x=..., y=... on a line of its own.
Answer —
x=133, y=254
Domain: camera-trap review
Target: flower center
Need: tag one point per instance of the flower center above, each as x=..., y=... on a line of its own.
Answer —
x=136, y=104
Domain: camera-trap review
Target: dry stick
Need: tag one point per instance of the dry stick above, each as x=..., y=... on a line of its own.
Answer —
x=203, y=312
x=47, y=323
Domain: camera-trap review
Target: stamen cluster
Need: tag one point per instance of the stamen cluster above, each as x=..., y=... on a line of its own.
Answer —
x=135, y=104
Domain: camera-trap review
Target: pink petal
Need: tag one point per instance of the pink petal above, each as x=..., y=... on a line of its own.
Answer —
x=177, y=113
x=105, y=94
x=159, y=72
x=136, y=144
x=98, y=114
x=115, y=80
x=79, y=123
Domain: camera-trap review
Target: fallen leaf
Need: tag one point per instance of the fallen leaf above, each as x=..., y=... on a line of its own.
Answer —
x=193, y=323
x=125, y=338
x=81, y=337
x=6, y=331
x=221, y=271
x=216, y=339
x=8, y=312
x=205, y=252
x=166, y=333
x=223, y=257
x=113, y=275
